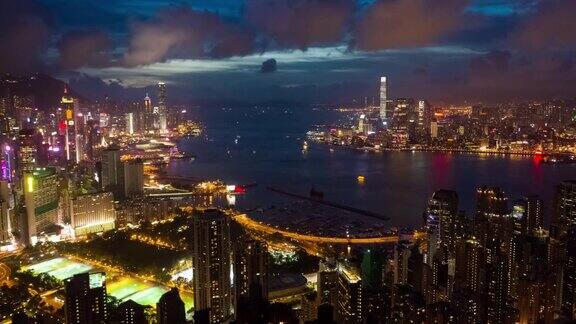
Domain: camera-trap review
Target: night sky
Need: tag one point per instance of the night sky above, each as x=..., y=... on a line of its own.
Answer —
x=324, y=50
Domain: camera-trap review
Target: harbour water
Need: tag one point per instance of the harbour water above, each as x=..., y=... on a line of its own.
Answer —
x=264, y=146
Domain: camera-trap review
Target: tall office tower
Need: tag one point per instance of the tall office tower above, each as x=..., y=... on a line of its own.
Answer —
x=41, y=199
x=211, y=260
x=384, y=110
x=424, y=116
x=251, y=258
x=148, y=114
x=162, y=107
x=129, y=312
x=133, y=178
x=68, y=127
x=92, y=213
x=111, y=170
x=27, y=151
x=533, y=214
x=170, y=308
x=349, y=300
x=361, y=122
x=130, y=121
x=85, y=299
x=443, y=222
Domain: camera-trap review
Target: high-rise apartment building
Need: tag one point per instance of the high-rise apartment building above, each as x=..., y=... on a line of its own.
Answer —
x=85, y=299
x=170, y=308
x=212, y=263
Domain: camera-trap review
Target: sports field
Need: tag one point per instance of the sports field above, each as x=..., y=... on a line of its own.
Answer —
x=123, y=287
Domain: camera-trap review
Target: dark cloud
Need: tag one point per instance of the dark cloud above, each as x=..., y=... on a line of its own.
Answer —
x=552, y=27
x=85, y=48
x=24, y=35
x=185, y=33
x=402, y=23
x=301, y=23
x=269, y=66
x=496, y=60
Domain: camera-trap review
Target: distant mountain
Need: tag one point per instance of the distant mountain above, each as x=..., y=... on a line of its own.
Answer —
x=47, y=91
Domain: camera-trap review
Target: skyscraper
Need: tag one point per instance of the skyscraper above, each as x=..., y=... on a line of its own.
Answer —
x=41, y=199
x=349, y=302
x=533, y=216
x=162, y=107
x=211, y=259
x=68, y=127
x=27, y=151
x=442, y=221
x=133, y=178
x=252, y=269
x=148, y=114
x=170, y=308
x=384, y=113
x=111, y=170
x=85, y=299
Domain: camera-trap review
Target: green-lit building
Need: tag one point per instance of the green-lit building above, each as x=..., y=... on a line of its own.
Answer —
x=41, y=200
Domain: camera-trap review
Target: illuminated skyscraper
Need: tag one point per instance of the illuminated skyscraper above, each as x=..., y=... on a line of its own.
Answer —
x=68, y=127
x=92, y=213
x=384, y=113
x=41, y=199
x=111, y=170
x=349, y=302
x=251, y=269
x=130, y=120
x=148, y=114
x=442, y=221
x=162, y=107
x=27, y=151
x=212, y=264
x=85, y=299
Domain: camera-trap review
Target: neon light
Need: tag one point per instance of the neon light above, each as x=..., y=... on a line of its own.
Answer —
x=30, y=182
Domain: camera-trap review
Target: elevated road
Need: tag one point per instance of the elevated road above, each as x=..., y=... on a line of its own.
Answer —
x=253, y=225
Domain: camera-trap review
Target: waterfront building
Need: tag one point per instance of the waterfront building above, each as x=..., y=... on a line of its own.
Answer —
x=148, y=114
x=92, y=213
x=424, y=115
x=85, y=299
x=162, y=107
x=41, y=199
x=385, y=114
x=211, y=259
x=170, y=308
